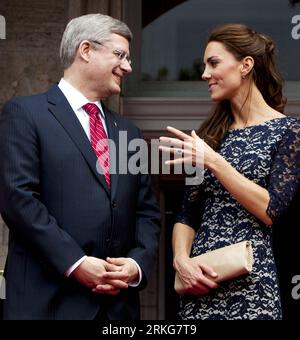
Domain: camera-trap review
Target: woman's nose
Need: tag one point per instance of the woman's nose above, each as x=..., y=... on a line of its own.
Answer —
x=206, y=75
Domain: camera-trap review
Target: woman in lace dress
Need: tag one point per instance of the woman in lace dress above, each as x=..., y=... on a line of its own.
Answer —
x=251, y=162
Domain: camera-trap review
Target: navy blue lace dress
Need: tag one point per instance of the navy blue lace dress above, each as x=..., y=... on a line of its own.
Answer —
x=267, y=154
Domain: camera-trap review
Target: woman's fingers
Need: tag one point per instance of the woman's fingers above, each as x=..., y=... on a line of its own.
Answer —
x=184, y=156
x=208, y=270
x=186, y=149
x=194, y=135
x=176, y=151
x=201, y=285
x=181, y=135
x=209, y=283
x=175, y=142
x=172, y=141
x=183, y=160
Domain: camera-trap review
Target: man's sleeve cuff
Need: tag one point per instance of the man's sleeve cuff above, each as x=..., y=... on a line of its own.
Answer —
x=75, y=265
x=138, y=281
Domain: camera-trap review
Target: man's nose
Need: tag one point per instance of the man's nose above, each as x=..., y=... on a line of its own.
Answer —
x=125, y=66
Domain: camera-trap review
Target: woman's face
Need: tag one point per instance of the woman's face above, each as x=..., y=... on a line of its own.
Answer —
x=223, y=72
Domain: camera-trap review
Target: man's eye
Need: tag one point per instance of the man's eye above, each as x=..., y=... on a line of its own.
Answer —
x=120, y=54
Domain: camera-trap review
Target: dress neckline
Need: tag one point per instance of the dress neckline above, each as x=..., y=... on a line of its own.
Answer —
x=266, y=122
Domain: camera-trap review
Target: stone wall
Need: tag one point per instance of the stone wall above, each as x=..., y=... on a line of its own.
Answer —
x=29, y=60
x=29, y=54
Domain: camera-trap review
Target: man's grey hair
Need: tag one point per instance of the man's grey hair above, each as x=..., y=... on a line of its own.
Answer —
x=97, y=27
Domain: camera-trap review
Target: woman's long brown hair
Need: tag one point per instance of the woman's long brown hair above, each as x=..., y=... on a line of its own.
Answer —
x=241, y=41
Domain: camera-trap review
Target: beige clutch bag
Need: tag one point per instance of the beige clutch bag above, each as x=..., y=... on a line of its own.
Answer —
x=228, y=262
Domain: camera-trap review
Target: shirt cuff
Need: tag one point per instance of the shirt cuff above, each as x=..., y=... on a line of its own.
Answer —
x=75, y=265
x=139, y=279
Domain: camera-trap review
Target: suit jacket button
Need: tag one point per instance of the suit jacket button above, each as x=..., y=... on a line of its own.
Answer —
x=114, y=204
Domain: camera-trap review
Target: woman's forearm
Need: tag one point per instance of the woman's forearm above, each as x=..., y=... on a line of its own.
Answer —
x=250, y=195
x=182, y=240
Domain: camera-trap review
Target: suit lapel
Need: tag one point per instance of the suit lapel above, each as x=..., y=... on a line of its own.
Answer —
x=60, y=108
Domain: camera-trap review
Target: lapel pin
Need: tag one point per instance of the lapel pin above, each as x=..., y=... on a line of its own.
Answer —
x=115, y=124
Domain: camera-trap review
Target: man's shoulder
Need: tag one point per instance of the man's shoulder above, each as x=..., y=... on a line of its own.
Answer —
x=28, y=103
x=33, y=98
x=30, y=100
x=27, y=100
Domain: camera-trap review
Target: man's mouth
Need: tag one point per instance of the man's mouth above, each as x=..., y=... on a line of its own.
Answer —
x=118, y=78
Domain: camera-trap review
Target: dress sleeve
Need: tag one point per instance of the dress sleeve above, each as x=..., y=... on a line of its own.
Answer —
x=192, y=207
x=285, y=173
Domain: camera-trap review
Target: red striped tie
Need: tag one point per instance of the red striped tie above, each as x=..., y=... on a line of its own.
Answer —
x=99, y=139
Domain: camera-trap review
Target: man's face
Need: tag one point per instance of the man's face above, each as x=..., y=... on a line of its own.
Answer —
x=106, y=68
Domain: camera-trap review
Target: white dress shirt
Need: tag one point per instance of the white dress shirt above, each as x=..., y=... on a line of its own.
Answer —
x=77, y=100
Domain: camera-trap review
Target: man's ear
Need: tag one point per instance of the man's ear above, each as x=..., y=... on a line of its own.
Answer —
x=247, y=66
x=84, y=50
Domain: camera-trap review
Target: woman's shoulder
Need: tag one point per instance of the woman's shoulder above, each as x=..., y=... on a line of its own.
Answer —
x=281, y=119
x=285, y=121
x=290, y=129
x=294, y=128
x=292, y=123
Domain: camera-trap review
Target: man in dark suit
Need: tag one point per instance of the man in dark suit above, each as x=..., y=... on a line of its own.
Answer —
x=82, y=238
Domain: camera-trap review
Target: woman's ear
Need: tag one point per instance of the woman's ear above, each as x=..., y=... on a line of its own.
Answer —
x=247, y=66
